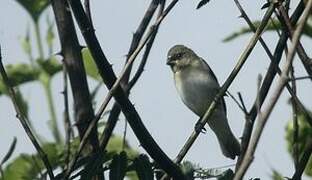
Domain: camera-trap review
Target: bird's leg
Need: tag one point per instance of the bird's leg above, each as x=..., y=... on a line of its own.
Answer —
x=199, y=127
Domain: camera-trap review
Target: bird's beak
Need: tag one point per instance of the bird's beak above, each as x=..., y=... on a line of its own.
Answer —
x=171, y=61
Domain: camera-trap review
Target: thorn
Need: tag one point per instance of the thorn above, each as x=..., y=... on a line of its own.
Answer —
x=266, y=5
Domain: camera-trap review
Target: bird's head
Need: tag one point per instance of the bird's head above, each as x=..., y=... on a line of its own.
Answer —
x=179, y=57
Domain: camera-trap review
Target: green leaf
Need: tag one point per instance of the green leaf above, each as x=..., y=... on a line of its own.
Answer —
x=22, y=103
x=305, y=133
x=188, y=169
x=114, y=146
x=29, y=166
x=219, y=173
x=272, y=26
x=143, y=167
x=226, y=175
x=10, y=151
x=25, y=43
x=19, y=74
x=34, y=7
x=118, y=167
x=90, y=66
x=50, y=66
x=50, y=36
x=276, y=175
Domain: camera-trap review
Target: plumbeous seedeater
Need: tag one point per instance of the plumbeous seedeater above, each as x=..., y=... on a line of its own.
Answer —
x=197, y=86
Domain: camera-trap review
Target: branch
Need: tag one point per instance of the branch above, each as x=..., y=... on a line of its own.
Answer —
x=306, y=61
x=295, y=110
x=137, y=36
x=88, y=11
x=225, y=86
x=67, y=123
x=71, y=51
x=110, y=80
x=23, y=120
x=275, y=96
x=268, y=79
x=303, y=161
x=111, y=122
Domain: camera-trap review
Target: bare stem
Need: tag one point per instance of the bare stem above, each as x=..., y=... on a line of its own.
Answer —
x=276, y=94
x=110, y=80
x=23, y=120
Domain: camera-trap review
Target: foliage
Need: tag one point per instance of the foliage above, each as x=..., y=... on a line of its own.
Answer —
x=42, y=70
x=34, y=7
x=273, y=25
x=276, y=175
x=30, y=166
x=304, y=134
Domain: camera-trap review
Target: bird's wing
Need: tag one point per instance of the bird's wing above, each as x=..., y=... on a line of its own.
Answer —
x=215, y=78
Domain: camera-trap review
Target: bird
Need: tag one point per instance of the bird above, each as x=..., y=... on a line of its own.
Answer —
x=197, y=86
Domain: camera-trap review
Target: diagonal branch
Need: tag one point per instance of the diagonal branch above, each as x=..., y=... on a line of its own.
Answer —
x=266, y=84
x=228, y=82
x=275, y=96
x=111, y=122
x=303, y=161
x=110, y=80
x=306, y=61
x=71, y=51
x=137, y=36
x=23, y=120
x=277, y=69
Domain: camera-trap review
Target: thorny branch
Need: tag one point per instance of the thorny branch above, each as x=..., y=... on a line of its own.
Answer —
x=109, y=78
x=247, y=159
x=23, y=120
x=268, y=78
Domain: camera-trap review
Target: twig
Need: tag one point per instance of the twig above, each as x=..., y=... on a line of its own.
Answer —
x=148, y=48
x=7, y=156
x=242, y=101
x=238, y=103
x=275, y=96
x=71, y=51
x=258, y=95
x=23, y=120
x=236, y=69
x=295, y=148
x=303, y=161
x=112, y=119
x=67, y=123
x=109, y=78
x=128, y=86
x=267, y=82
x=300, y=78
x=88, y=11
x=306, y=61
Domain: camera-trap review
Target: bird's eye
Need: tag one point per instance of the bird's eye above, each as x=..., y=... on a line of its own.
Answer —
x=178, y=56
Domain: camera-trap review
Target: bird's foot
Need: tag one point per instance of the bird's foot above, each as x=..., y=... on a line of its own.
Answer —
x=199, y=128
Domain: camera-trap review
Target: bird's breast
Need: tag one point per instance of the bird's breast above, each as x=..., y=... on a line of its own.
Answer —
x=196, y=89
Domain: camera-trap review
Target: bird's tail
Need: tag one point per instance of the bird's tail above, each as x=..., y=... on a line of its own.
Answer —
x=229, y=145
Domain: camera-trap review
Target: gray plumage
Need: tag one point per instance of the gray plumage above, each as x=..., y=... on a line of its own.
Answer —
x=197, y=86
